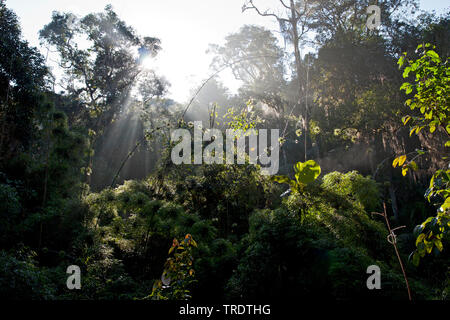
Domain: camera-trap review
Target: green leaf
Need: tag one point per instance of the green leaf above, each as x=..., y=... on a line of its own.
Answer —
x=428, y=245
x=446, y=204
x=433, y=55
x=413, y=165
x=405, y=86
x=401, y=61
x=420, y=238
x=438, y=244
x=409, y=90
x=432, y=180
x=281, y=179
x=306, y=172
x=405, y=119
x=406, y=72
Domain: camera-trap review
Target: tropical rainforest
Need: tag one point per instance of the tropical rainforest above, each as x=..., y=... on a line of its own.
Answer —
x=87, y=177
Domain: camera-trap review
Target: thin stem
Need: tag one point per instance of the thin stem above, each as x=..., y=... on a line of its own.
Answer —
x=390, y=157
x=394, y=243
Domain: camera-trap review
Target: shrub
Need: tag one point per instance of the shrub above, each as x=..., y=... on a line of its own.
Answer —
x=354, y=186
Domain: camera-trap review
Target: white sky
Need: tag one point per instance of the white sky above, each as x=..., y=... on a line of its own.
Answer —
x=185, y=27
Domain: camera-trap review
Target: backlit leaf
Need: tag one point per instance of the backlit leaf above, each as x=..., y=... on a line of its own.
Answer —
x=306, y=172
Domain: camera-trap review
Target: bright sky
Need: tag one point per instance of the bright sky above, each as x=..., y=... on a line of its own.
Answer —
x=186, y=28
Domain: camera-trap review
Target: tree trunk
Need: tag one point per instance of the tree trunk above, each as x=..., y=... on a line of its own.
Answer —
x=298, y=63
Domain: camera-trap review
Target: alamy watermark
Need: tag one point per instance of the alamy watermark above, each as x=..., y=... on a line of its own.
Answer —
x=374, y=20
x=258, y=148
x=74, y=280
x=374, y=281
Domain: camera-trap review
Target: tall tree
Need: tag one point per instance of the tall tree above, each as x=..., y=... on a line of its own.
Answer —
x=254, y=58
x=22, y=77
x=295, y=25
x=101, y=72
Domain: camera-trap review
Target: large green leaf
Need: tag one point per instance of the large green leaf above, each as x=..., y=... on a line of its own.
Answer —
x=306, y=172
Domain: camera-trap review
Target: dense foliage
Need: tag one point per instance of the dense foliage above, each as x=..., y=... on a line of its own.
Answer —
x=432, y=88
x=86, y=176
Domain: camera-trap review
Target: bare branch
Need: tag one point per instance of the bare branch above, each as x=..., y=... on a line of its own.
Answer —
x=377, y=213
x=284, y=5
x=263, y=14
x=398, y=228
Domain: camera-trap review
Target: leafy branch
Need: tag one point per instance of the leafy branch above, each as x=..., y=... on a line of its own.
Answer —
x=178, y=272
x=305, y=173
x=431, y=96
